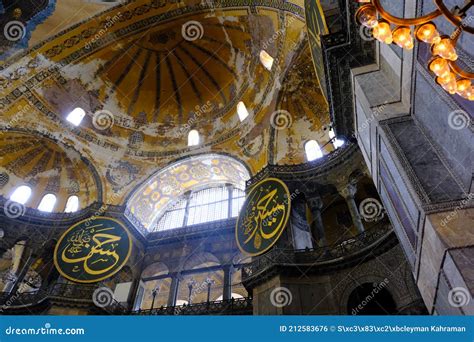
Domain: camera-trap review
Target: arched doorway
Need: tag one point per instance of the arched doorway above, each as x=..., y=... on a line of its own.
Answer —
x=371, y=299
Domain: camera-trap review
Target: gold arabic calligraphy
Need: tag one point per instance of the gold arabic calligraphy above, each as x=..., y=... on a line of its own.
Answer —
x=264, y=215
x=94, y=248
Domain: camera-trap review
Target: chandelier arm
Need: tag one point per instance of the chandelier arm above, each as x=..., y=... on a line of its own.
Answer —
x=454, y=66
x=460, y=72
x=453, y=19
x=405, y=21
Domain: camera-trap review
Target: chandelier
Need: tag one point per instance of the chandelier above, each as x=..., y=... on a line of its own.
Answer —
x=449, y=74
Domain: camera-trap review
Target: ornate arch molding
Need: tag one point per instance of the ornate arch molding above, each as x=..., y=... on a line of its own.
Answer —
x=149, y=200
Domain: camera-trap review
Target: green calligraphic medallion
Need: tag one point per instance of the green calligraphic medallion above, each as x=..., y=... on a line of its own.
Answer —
x=92, y=250
x=263, y=217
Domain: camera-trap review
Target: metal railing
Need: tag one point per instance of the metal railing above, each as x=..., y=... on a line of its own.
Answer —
x=84, y=293
x=240, y=306
x=57, y=292
x=315, y=256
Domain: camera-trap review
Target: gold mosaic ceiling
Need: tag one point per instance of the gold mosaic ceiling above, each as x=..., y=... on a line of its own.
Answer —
x=48, y=167
x=165, y=78
x=145, y=81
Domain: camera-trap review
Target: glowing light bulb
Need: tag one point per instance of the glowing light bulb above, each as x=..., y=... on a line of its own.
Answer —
x=448, y=82
x=367, y=16
x=428, y=33
x=382, y=32
x=471, y=97
x=402, y=37
x=439, y=66
x=445, y=49
x=464, y=88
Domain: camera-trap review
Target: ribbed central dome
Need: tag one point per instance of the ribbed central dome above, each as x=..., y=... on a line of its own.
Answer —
x=179, y=71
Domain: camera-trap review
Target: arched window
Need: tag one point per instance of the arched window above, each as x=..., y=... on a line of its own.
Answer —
x=21, y=194
x=266, y=60
x=336, y=142
x=193, y=138
x=207, y=205
x=313, y=151
x=47, y=203
x=242, y=111
x=233, y=295
x=72, y=204
x=75, y=116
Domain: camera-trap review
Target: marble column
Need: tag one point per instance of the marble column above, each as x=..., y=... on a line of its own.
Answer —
x=317, y=227
x=21, y=276
x=300, y=228
x=227, y=291
x=349, y=194
x=18, y=253
x=173, y=289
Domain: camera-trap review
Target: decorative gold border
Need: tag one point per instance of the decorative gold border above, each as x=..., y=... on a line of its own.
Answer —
x=285, y=220
x=96, y=280
x=309, y=33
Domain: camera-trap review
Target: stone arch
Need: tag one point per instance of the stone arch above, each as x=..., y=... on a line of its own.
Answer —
x=353, y=283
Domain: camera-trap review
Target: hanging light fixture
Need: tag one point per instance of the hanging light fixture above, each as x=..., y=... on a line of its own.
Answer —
x=402, y=37
x=449, y=75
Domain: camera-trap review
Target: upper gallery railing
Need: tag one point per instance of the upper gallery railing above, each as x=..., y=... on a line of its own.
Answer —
x=239, y=306
x=325, y=255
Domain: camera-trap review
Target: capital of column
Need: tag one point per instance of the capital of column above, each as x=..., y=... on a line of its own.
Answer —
x=350, y=190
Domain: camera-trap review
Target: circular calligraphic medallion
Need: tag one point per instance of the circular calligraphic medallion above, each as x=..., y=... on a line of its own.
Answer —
x=92, y=250
x=263, y=217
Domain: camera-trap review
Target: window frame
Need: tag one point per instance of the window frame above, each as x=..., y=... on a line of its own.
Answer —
x=23, y=202
x=184, y=203
x=43, y=199
x=318, y=152
x=67, y=203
